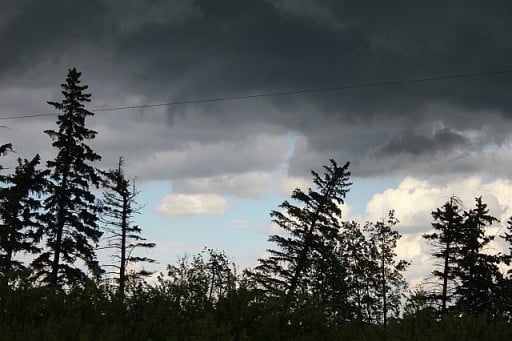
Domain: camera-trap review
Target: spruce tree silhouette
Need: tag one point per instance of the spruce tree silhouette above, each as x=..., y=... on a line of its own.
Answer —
x=312, y=226
x=478, y=270
x=71, y=223
x=461, y=244
x=446, y=240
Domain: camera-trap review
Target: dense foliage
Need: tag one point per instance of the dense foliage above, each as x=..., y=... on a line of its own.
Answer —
x=324, y=278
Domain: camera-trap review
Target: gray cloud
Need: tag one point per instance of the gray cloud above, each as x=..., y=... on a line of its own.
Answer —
x=248, y=185
x=200, y=161
x=409, y=142
x=146, y=52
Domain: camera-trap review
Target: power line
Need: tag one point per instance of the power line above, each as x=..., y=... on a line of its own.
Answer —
x=282, y=93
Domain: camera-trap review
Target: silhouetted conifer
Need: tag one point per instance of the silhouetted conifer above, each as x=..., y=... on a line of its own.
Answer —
x=20, y=214
x=312, y=226
x=506, y=284
x=119, y=206
x=448, y=224
x=71, y=222
x=477, y=269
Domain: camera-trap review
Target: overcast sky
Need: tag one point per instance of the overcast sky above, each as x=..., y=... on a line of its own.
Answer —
x=211, y=172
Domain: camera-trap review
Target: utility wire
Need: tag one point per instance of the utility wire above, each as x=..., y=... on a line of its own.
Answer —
x=283, y=93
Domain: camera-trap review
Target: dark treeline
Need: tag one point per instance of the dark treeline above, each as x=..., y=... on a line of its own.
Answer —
x=323, y=278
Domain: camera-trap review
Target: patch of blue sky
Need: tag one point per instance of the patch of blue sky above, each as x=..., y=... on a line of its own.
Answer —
x=240, y=231
x=363, y=189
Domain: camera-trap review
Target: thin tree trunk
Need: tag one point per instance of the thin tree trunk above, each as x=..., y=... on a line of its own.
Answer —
x=444, y=297
x=56, y=255
x=122, y=268
x=384, y=291
x=60, y=230
x=304, y=252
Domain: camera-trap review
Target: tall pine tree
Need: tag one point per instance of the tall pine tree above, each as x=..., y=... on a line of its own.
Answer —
x=312, y=226
x=448, y=225
x=71, y=220
x=478, y=270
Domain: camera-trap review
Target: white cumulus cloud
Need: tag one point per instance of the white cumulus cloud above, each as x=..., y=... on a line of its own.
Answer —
x=179, y=205
x=413, y=201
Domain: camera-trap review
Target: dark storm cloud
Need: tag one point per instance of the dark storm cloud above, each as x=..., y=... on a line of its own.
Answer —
x=237, y=47
x=159, y=51
x=410, y=142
